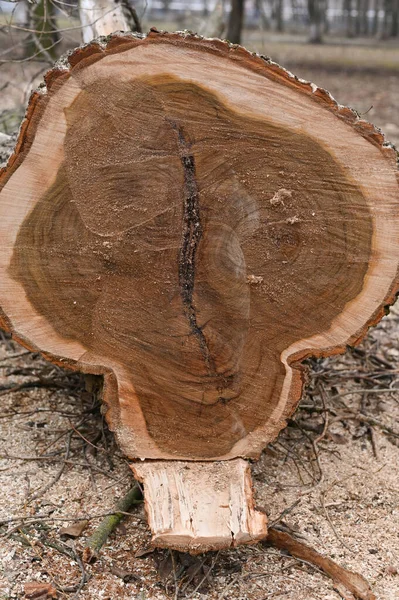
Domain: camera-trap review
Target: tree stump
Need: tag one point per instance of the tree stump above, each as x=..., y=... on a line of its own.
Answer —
x=191, y=221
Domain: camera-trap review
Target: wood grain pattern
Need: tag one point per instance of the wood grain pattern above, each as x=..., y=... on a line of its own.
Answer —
x=198, y=506
x=192, y=222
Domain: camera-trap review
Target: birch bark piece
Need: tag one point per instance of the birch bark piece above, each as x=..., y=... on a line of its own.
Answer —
x=192, y=222
x=104, y=17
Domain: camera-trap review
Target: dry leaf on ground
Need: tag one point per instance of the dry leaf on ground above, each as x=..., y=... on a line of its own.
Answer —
x=39, y=591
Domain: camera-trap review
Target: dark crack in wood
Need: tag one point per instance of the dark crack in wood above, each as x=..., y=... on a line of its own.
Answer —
x=192, y=234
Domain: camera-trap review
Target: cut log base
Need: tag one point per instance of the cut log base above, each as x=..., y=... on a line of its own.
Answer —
x=196, y=506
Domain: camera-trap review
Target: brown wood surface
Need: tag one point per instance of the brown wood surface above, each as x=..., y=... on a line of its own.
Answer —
x=200, y=506
x=192, y=221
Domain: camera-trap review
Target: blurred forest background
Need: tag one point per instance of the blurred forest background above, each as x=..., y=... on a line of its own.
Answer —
x=328, y=41
x=351, y=47
x=44, y=21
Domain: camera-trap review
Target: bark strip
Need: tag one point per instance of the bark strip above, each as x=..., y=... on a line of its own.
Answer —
x=354, y=582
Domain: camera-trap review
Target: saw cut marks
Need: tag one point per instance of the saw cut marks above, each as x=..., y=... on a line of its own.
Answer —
x=193, y=223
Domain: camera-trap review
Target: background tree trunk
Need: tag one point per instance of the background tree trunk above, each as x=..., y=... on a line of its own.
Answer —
x=236, y=21
x=42, y=19
x=324, y=16
x=358, y=18
x=385, y=23
x=103, y=17
x=395, y=19
x=365, y=26
x=278, y=15
x=316, y=22
x=347, y=9
x=375, y=22
x=214, y=23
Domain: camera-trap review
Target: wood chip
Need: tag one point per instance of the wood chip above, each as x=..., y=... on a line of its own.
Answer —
x=144, y=551
x=126, y=576
x=75, y=530
x=391, y=570
x=39, y=591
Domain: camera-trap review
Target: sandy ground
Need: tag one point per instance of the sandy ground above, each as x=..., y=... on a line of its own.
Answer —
x=58, y=461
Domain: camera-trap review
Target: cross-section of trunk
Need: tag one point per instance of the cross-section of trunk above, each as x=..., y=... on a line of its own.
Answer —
x=191, y=221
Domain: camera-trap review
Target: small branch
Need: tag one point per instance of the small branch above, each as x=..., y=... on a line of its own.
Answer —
x=367, y=421
x=19, y=354
x=323, y=397
x=134, y=16
x=30, y=520
x=332, y=524
x=354, y=582
x=373, y=442
x=285, y=512
x=101, y=534
x=73, y=463
x=4, y=390
x=59, y=473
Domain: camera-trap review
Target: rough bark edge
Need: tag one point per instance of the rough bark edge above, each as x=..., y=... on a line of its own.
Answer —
x=87, y=54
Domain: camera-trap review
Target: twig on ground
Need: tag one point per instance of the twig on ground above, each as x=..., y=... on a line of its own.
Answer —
x=367, y=420
x=320, y=480
x=374, y=442
x=341, y=541
x=323, y=397
x=72, y=554
x=364, y=391
x=39, y=555
x=176, y=594
x=228, y=587
x=59, y=473
x=13, y=356
x=56, y=459
x=298, y=457
x=285, y=512
x=193, y=574
x=206, y=575
x=84, y=576
x=30, y=519
x=354, y=582
x=29, y=385
x=96, y=541
x=92, y=478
